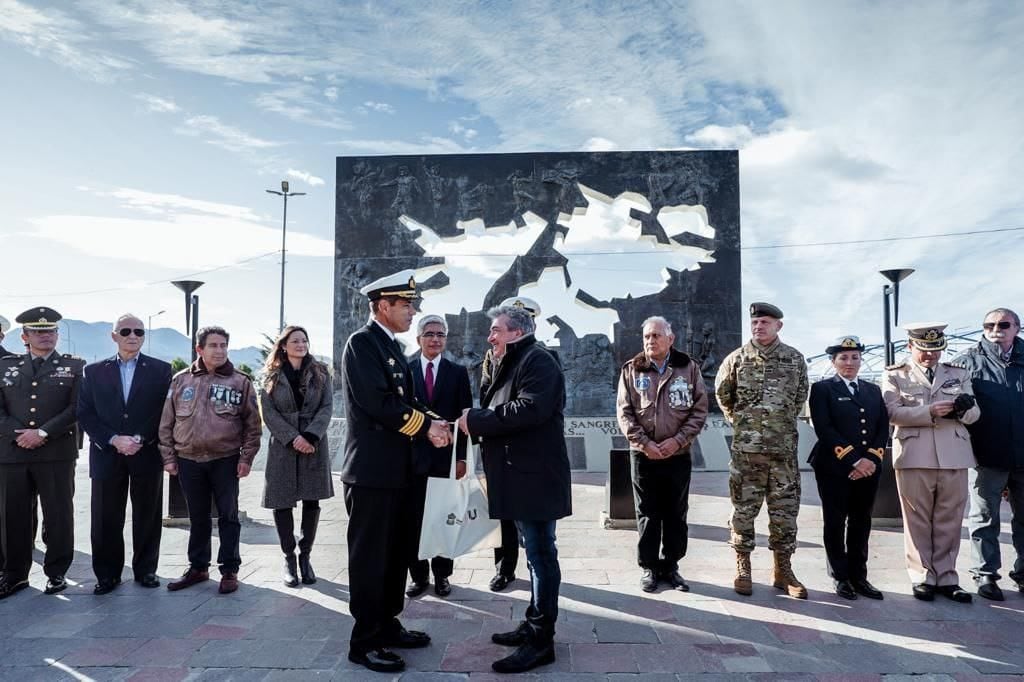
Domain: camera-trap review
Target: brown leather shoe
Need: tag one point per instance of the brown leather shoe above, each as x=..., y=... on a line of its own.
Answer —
x=188, y=579
x=228, y=583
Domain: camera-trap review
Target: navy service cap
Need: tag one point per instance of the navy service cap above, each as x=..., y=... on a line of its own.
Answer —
x=401, y=284
x=527, y=304
x=765, y=310
x=39, y=319
x=927, y=335
x=844, y=343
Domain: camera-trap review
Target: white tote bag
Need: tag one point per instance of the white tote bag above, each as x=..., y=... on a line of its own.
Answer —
x=455, y=516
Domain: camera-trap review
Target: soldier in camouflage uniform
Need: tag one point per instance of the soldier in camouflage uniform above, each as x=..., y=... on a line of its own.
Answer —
x=761, y=388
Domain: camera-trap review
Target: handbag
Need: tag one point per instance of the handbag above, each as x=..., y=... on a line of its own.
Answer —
x=456, y=520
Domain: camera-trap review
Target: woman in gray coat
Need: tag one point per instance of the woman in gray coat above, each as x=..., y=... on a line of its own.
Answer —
x=296, y=402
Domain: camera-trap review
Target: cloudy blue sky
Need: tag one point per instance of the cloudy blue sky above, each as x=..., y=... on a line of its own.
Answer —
x=139, y=138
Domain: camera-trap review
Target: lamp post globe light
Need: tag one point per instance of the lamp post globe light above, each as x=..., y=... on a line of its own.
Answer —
x=895, y=276
x=284, y=193
x=149, y=331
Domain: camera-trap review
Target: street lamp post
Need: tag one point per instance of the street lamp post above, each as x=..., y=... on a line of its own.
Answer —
x=895, y=276
x=149, y=332
x=284, y=193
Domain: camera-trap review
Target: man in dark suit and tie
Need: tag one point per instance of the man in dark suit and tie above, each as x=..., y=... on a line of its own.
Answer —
x=383, y=417
x=119, y=406
x=443, y=386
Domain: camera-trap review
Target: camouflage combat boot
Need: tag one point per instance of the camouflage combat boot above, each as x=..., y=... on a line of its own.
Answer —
x=784, y=579
x=743, y=583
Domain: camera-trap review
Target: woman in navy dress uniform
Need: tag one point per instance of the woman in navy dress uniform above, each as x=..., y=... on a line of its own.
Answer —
x=852, y=425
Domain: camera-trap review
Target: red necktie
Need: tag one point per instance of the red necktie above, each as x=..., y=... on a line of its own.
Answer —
x=428, y=381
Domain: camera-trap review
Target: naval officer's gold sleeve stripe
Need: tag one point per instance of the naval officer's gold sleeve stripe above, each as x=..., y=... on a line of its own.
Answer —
x=413, y=425
x=878, y=452
x=843, y=452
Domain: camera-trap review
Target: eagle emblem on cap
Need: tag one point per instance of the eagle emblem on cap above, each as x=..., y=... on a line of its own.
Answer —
x=849, y=343
x=931, y=335
x=519, y=304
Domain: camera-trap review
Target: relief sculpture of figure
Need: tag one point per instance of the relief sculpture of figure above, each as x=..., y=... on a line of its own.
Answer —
x=363, y=184
x=406, y=186
x=521, y=186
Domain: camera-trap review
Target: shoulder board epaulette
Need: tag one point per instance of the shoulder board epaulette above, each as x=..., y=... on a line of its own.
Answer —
x=895, y=365
x=958, y=365
x=69, y=356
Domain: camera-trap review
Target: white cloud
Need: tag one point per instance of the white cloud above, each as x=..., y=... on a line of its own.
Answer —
x=379, y=107
x=222, y=135
x=427, y=144
x=155, y=202
x=308, y=178
x=599, y=144
x=331, y=93
x=299, y=103
x=53, y=34
x=457, y=128
x=160, y=105
x=721, y=137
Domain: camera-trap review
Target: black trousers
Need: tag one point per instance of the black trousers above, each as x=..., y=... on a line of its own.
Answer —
x=419, y=571
x=380, y=528
x=53, y=484
x=199, y=481
x=846, y=510
x=109, y=497
x=661, y=496
x=506, y=557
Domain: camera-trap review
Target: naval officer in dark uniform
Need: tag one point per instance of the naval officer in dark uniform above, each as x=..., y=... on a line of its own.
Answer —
x=38, y=448
x=852, y=425
x=382, y=419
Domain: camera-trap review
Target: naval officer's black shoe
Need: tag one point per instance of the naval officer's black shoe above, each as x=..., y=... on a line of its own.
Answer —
x=527, y=657
x=989, y=588
x=675, y=579
x=845, y=590
x=408, y=639
x=379, y=660
x=500, y=581
x=55, y=584
x=106, y=585
x=10, y=586
x=866, y=589
x=416, y=588
x=649, y=580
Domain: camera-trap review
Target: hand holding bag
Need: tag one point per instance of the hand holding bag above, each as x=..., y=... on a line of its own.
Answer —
x=455, y=513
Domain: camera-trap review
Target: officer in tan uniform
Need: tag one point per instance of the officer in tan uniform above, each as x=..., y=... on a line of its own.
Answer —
x=929, y=403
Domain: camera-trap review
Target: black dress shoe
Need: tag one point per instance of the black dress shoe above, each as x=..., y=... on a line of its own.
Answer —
x=10, y=586
x=442, y=587
x=675, y=579
x=379, y=660
x=106, y=585
x=55, y=584
x=409, y=639
x=415, y=589
x=924, y=592
x=500, y=581
x=845, y=590
x=526, y=657
x=989, y=589
x=517, y=637
x=648, y=581
x=956, y=593
x=149, y=580
x=866, y=589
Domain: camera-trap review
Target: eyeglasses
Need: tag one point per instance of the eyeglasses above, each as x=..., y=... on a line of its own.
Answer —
x=129, y=332
x=989, y=326
x=433, y=335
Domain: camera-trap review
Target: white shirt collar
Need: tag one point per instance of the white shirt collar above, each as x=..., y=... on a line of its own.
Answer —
x=424, y=361
x=391, y=334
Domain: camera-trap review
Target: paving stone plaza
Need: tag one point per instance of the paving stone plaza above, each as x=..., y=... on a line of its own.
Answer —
x=608, y=629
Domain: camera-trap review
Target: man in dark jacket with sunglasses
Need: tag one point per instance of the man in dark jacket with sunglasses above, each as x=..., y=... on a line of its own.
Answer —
x=119, y=406
x=996, y=365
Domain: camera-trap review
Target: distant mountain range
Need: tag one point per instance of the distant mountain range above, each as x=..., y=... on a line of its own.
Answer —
x=91, y=341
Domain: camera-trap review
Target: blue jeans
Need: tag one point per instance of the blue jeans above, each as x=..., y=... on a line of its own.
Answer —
x=199, y=481
x=986, y=489
x=545, y=575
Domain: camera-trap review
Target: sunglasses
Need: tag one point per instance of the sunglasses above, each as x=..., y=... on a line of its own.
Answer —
x=989, y=326
x=129, y=332
x=434, y=335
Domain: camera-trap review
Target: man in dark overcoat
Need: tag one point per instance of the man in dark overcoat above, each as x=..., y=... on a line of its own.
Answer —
x=119, y=406
x=520, y=426
x=38, y=449
x=382, y=419
x=443, y=386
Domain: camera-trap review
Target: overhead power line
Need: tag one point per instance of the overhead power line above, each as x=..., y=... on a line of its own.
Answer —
x=882, y=239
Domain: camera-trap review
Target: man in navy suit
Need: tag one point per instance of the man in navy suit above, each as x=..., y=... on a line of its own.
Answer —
x=119, y=406
x=443, y=386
